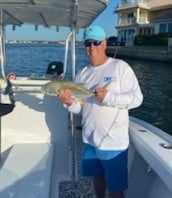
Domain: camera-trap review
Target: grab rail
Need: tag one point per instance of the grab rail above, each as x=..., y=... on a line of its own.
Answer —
x=66, y=54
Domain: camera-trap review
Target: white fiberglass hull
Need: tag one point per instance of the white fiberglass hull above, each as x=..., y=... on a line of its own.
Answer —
x=39, y=124
x=36, y=119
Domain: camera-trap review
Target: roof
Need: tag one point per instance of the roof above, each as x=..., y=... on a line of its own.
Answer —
x=159, y=3
x=51, y=12
x=147, y=4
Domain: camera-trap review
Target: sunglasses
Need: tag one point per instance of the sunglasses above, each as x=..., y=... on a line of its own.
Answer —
x=95, y=43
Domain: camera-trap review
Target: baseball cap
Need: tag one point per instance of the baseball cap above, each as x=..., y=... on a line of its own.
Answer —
x=94, y=32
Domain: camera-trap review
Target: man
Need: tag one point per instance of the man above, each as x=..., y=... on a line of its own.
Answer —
x=105, y=115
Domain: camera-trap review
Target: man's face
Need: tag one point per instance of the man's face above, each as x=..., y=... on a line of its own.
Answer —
x=95, y=48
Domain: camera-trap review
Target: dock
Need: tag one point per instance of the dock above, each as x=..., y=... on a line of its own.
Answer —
x=154, y=53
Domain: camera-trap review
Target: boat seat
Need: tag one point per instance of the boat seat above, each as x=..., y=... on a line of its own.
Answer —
x=27, y=171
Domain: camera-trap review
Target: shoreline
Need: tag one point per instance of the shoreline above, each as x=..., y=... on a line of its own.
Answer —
x=155, y=53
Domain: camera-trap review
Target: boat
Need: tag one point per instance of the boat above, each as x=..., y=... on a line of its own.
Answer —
x=38, y=135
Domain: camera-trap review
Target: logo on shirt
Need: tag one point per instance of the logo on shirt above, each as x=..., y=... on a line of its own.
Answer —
x=109, y=79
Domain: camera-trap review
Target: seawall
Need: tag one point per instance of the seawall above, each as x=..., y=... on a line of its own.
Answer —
x=147, y=53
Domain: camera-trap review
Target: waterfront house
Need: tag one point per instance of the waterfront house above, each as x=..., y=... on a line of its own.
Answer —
x=143, y=17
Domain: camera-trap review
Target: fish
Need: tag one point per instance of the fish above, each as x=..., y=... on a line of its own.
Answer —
x=2, y=81
x=78, y=89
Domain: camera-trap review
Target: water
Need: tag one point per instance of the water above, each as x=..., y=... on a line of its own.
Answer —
x=156, y=83
x=155, y=77
x=28, y=59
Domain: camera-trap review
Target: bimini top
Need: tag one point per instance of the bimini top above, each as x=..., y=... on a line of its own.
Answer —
x=68, y=13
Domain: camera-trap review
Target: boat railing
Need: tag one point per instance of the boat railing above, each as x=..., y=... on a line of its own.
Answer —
x=66, y=53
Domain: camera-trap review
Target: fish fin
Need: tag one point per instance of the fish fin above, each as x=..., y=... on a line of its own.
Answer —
x=106, y=85
x=79, y=100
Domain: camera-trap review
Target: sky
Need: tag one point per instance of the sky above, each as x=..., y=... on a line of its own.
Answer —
x=107, y=19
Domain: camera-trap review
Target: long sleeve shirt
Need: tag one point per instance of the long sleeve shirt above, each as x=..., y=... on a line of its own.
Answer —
x=105, y=124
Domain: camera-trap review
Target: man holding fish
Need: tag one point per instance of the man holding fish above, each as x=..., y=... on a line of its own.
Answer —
x=104, y=114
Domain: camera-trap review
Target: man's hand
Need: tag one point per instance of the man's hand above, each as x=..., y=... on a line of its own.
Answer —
x=100, y=93
x=65, y=96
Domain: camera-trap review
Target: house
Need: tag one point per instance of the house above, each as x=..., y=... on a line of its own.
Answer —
x=143, y=17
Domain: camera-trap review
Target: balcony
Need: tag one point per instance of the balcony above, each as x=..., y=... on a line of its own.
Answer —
x=126, y=22
x=131, y=4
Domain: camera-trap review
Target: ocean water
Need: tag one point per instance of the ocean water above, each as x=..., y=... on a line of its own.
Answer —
x=155, y=78
x=29, y=59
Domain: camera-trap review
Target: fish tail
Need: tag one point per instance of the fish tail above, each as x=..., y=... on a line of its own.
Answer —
x=106, y=85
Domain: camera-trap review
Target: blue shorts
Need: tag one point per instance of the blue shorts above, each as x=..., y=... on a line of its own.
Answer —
x=110, y=164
